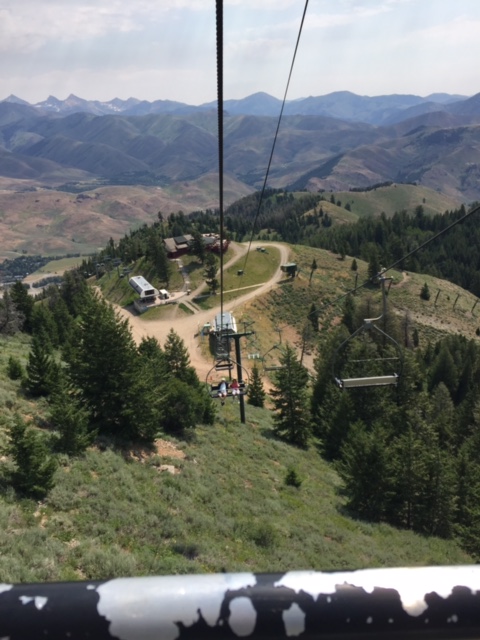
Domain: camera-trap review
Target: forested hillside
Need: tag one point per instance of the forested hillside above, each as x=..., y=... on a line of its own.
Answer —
x=382, y=240
x=406, y=456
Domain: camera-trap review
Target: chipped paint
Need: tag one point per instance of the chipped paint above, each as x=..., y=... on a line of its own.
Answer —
x=294, y=620
x=242, y=617
x=412, y=584
x=166, y=602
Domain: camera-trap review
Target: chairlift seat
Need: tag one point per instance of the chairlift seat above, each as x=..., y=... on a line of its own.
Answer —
x=274, y=367
x=223, y=365
x=375, y=381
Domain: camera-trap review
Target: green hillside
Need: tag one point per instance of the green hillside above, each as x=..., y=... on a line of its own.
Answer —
x=396, y=197
x=217, y=502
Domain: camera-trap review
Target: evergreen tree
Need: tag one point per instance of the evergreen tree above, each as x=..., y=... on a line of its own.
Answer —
x=198, y=246
x=42, y=371
x=415, y=338
x=313, y=317
x=374, y=266
x=23, y=302
x=64, y=322
x=103, y=363
x=151, y=352
x=70, y=420
x=181, y=407
x=74, y=291
x=14, y=368
x=349, y=313
x=425, y=292
x=256, y=392
x=365, y=470
x=292, y=419
x=43, y=325
x=178, y=360
x=313, y=267
x=210, y=273
x=424, y=497
x=468, y=495
x=35, y=466
x=11, y=318
x=444, y=370
x=354, y=266
x=157, y=255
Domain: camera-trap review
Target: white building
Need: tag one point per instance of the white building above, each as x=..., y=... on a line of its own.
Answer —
x=225, y=323
x=142, y=287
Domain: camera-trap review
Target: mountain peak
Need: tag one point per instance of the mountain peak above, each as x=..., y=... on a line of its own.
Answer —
x=15, y=100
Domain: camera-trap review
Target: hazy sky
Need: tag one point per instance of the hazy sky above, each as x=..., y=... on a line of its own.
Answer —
x=165, y=49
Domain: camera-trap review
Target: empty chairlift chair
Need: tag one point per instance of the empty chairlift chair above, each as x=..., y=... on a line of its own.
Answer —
x=380, y=362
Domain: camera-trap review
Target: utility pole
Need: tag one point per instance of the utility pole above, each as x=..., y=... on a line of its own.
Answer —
x=238, y=356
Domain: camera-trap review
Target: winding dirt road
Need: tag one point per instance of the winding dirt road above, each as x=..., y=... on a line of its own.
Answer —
x=187, y=327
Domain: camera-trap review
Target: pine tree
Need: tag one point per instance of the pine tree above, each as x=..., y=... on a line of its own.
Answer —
x=152, y=354
x=364, y=468
x=256, y=392
x=158, y=256
x=292, y=419
x=349, y=312
x=198, y=246
x=11, y=318
x=35, y=466
x=103, y=363
x=444, y=370
x=313, y=267
x=70, y=420
x=43, y=325
x=468, y=495
x=425, y=292
x=178, y=360
x=313, y=317
x=74, y=291
x=23, y=302
x=42, y=371
x=14, y=368
x=373, y=264
x=179, y=412
x=210, y=273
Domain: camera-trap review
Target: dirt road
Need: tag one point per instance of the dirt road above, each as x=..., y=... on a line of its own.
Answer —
x=187, y=327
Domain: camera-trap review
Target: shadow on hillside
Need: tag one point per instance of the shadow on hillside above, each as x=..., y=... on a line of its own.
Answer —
x=269, y=434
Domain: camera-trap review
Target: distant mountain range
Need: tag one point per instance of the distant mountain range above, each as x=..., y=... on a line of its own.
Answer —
x=379, y=110
x=334, y=142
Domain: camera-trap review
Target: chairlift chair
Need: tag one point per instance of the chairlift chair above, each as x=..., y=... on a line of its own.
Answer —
x=214, y=388
x=390, y=364
x=276, y=366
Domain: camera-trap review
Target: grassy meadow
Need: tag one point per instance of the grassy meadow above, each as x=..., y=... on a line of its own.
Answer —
x=396, y=197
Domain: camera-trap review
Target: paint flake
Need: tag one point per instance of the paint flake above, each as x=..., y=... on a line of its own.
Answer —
x=163, y=602
x=243, y=617
x=411, y=583
x=294, y=620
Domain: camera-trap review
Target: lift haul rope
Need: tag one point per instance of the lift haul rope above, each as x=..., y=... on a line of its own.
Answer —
x=219, y=22
x=262, y=193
